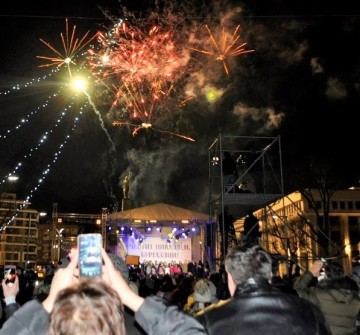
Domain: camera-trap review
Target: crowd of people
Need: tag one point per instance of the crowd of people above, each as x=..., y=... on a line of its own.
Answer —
x=172, y=268
x=243, y=297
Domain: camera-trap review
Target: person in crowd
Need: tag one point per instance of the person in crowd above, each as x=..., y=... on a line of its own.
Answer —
x=207, y=269
x=41, y=291
x=25, y=285
x=283, y=284
x=166, y=288
x=10, y=291
x=356, y=275
x=87, y=307
x=184, y=288
x=229, y=169
x=200, y=269
x=152, y=313
x=256, y=307
x=204, y=295
x=251, y=228
x=336, y=295
x=191, y=267
x=222, y=288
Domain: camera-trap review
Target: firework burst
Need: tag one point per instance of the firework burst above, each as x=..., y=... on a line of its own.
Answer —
x=132, y=55
x=227, y=46
x=141, y=66
x=146, y=105
x=71, y=47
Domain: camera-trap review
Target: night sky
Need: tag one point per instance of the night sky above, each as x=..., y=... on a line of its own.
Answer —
x=301, y=83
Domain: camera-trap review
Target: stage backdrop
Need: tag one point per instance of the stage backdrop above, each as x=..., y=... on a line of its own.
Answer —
x=157, y=249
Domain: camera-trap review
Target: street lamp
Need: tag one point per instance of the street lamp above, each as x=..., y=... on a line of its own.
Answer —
x=42, y=214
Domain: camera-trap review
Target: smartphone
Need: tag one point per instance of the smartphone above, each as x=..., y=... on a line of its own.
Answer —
x=90, y=257
x=9, y=274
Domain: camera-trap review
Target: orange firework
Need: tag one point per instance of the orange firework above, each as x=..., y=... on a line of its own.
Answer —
x=145, y=105
x=147, y=126
x=143, y=101
x=132, y=54
x=71, y=47
x=226, y=47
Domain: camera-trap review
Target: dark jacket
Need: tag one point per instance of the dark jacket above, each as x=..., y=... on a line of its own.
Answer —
x=258, y=308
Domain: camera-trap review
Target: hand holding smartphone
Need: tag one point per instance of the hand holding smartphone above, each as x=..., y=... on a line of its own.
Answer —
x=90, y=255
x=9, y=274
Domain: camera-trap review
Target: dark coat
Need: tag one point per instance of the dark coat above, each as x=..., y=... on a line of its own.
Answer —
x=259, y=309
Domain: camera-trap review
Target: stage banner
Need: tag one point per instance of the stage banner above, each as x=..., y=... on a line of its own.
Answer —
x=158, y=249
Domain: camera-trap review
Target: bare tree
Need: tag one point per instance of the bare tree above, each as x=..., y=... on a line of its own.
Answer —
x=317, y=185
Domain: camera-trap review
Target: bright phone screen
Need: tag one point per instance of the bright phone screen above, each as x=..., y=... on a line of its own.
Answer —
x=90, y=258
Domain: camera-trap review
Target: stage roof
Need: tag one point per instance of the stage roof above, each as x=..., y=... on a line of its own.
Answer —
x=160, y=212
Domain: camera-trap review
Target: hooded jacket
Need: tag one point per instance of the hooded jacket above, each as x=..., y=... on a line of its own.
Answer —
x=337, y=298
x=257, y=308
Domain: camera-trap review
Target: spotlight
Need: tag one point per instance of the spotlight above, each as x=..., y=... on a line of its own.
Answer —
x=215, y=160
x=158, y=229
x=148, y=228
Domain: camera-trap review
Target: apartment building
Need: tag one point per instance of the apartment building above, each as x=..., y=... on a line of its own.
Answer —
x=26, y=240
x=18, y=231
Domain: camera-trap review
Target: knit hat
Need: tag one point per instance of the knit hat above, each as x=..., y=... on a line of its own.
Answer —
x=120, y=265
x=202, y=291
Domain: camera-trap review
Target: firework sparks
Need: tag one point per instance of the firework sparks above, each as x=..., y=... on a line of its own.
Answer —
x=130, y=54
x=140, y=65
x=71, y=47
x=137, y=128
x=145, y=104
x=228, y=46
x=143, y=101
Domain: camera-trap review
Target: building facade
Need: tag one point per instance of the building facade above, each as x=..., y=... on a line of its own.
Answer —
x=26, y=241
x=19, y=234
x=288, y=228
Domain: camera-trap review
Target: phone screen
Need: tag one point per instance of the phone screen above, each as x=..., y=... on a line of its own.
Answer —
x=9, y=273
x=90, y=258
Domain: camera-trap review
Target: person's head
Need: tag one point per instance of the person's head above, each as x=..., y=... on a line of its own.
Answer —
x=89, y=307
x=356, y=273
x=333, y=270
x=244, y=262
x=205, y=291
x=250, y=212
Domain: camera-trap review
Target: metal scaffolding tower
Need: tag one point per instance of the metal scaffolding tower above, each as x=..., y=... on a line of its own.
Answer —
x=258, y=182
